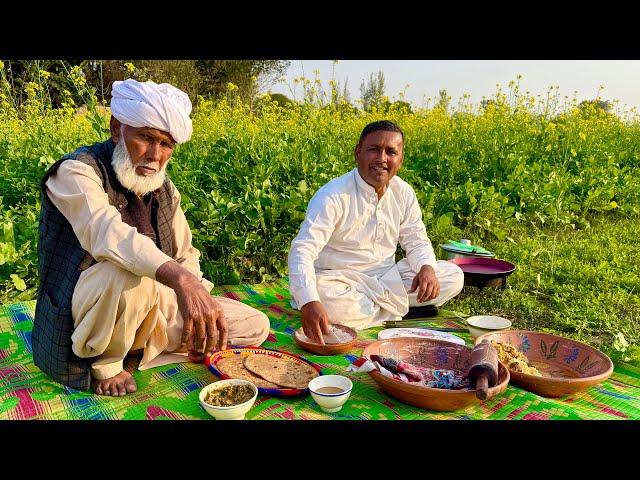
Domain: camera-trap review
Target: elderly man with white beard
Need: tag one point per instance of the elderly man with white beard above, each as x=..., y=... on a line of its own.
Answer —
x=118, y=272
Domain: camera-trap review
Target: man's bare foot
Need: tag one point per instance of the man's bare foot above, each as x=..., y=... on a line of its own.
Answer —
x=119, y=385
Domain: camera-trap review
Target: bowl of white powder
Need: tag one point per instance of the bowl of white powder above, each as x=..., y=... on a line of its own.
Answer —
x=340, y=339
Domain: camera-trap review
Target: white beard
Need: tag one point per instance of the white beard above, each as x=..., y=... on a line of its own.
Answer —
x=127, y=176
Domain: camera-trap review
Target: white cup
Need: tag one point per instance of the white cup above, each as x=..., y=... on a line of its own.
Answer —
x=330, y=402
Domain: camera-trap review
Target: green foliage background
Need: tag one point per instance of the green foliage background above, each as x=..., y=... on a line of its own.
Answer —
x=502, y=174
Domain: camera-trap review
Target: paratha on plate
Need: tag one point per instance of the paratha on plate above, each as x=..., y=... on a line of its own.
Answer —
x=283, y=372
x=233, y=366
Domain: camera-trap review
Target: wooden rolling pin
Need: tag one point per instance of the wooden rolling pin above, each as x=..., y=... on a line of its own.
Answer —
x=484, y=369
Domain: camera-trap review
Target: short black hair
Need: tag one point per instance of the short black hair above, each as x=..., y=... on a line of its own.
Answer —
x=381, y=125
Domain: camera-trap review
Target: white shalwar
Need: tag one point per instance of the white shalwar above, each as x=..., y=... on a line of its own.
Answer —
x=118, y=306
x=344, y=253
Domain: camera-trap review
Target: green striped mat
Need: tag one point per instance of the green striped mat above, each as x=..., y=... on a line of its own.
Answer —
x=171, y=392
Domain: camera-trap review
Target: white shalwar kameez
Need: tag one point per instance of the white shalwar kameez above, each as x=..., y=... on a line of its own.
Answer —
x=344, y=253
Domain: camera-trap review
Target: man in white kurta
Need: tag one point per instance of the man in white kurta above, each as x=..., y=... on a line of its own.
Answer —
x=342, y=266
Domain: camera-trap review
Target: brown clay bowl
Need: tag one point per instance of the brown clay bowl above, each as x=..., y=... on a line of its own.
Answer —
x=567, y=366
x=327, y=349
x=434, y=354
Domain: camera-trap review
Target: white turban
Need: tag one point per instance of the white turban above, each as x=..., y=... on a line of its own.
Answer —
x=149, y=104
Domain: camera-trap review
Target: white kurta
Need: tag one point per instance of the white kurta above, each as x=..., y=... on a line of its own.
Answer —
x=344, y=253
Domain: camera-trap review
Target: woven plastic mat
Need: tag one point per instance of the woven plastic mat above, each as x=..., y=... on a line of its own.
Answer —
x=171, y=392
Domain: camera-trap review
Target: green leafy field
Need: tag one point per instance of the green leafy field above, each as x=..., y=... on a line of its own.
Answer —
x=582, y=284
x=557, y=193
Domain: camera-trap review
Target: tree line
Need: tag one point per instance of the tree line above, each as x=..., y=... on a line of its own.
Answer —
x=198, y=78
x=206, y=78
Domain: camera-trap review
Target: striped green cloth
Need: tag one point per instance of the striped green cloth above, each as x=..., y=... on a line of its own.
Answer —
x=171, y=392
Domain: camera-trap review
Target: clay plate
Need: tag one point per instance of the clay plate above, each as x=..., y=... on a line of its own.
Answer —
x=567, y=366
x=333, y=349
x=434, y=354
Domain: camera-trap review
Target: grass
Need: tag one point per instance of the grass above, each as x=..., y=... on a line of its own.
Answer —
x=581, y=284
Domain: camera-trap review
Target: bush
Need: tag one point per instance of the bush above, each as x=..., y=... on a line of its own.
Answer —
x=247, y=174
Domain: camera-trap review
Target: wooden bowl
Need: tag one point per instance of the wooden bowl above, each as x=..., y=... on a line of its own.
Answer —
x=327, y=349
x=567, y=366
x=434, y=354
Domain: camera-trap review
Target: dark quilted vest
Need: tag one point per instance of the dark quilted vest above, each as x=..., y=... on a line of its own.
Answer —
x=62, y=259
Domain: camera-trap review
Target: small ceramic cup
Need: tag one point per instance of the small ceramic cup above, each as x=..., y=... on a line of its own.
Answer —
x=324, y=390
x=481, y=324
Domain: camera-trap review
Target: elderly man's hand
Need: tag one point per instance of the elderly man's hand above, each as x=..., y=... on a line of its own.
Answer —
x=205, y=325
x=315, y=321
x=426, y=283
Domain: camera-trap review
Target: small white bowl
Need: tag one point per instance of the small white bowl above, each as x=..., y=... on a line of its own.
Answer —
x=330, y=402
x=481, y=324
x=234, y=412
